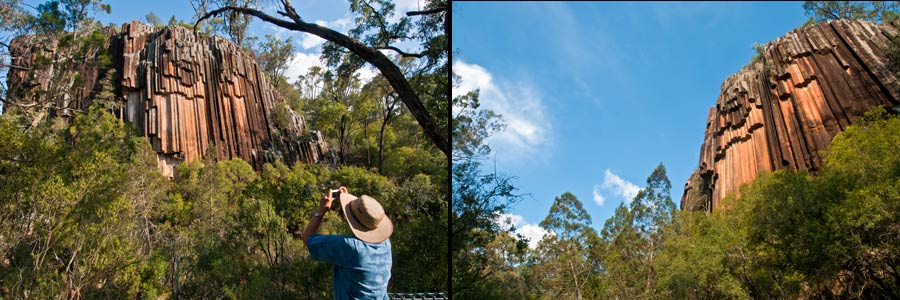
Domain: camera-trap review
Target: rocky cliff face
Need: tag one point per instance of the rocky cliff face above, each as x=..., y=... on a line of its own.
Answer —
x=188, y=94
x=782, y=111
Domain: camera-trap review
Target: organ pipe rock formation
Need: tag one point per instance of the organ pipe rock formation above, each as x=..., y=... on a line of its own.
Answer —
x=782, y=110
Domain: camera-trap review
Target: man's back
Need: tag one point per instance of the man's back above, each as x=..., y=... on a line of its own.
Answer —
x=361, y=269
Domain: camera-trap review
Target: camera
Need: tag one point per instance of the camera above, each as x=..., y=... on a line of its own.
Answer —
x=336, y=202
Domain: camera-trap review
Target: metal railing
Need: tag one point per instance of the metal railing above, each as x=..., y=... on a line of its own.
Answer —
x=417, y=296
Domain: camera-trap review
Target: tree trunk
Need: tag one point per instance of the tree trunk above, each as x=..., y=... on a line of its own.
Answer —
x=384, y=121
x=575, y=279
x=366, y=139
x=341, y=140
x=381, y=147
x=650, y=269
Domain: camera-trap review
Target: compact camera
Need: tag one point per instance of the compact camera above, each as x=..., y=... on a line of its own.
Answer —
x=336, y=199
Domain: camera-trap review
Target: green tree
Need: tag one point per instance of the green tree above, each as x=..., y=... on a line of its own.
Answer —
x=633, y=239
x=153, y=19
x=233, y=25
x=876, y=11
x=477, y=200
x=565, y=261
x=619, y=255
x=273, y=56
x=701, y=258
x=77, y=223
x=652, y=211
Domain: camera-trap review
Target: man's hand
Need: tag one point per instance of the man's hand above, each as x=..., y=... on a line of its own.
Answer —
x=326, y=201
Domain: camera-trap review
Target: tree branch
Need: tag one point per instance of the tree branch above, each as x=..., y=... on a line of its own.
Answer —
x=391, y=72
x=380, y=18
x=404, y=54
x=427, y=12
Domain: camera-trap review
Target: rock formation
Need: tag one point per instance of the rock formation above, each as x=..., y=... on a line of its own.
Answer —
x=782, y=111
x=188, y=93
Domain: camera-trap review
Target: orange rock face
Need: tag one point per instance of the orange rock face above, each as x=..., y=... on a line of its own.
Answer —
x=187, y=94
x=782, y=111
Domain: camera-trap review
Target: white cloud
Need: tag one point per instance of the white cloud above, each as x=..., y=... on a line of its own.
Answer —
x=532, y=232
x=401, y=7
x=616, y=186
x=597, y=197
x=619, y=187
x=309, y=41
x=342, y=25
x=527, y=128
x=280, y=32
x=366, y=74
x=301, y=63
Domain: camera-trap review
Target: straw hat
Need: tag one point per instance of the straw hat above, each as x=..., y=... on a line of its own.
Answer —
x=366, y=218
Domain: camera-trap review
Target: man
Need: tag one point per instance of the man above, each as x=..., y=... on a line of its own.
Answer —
x=362, y=263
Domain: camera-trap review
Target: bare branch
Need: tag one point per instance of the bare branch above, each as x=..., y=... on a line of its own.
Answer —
x=404, y=54
x=427, y=12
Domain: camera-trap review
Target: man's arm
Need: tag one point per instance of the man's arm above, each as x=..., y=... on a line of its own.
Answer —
x=312, y=227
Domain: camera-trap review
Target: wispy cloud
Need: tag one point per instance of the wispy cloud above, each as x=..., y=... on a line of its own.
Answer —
x=527, y=128
x=615, y=186
x=599, y=199
x=532, y=232
x=667, y=13
x=585, y=47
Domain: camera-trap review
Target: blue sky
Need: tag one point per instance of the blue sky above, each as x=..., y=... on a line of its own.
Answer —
x=596, y=95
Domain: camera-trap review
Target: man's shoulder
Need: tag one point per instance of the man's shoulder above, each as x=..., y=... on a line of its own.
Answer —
x=330, y=238
x=343, y=240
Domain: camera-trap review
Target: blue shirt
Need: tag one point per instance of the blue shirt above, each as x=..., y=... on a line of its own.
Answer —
x=361, y=269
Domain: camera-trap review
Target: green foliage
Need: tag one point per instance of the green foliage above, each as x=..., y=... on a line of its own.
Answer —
x=795, y=236
x=471, y=126
x=58, y=15
x=106, y=98
x=700, y=258
x=153, y=19
x=233, y=24
x=876, y=11
x=73, y=215
x=273, y=56
x=760, y=52
x=90, y=193
x=562, y=262
x=50, y=18
x=634, y=238
x=477, y=200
